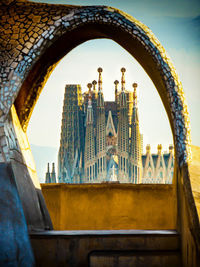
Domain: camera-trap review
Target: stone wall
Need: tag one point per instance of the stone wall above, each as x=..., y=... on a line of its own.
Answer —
x=111, y=206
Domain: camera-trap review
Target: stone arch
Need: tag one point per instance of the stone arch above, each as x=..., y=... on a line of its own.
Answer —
x=33, y=38
x=64, y=27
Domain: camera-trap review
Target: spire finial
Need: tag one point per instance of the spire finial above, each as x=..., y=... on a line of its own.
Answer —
x=89, y=85
x=148, y=148
x=48, y=167
x=159, y=148
x=94, y=85
x=116, y=82
x=135, y=93
x=123, y=70
x=100, y=70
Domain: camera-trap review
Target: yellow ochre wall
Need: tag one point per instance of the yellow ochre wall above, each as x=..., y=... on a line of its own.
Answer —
x=110, y=206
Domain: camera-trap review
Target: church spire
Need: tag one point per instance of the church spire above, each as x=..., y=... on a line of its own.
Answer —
x=53, y=174
x=123, y=133
x=48, y=176
x=123, y=70
x=135, y=110
x=135, y=94
x=135, y=145
x=89, y=118
x=123, y=95
x=89, y=85
x=94, y=85
x=100, y=99
x=100, y=70
x=89, y=155
x=100, y=132
x=116, y=82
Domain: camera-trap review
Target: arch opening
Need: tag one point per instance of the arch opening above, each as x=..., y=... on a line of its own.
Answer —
x=41, y=70
x=134, y=37
x=79, y=67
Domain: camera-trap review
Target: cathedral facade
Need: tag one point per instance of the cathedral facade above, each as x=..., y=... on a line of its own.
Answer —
x=101, y=140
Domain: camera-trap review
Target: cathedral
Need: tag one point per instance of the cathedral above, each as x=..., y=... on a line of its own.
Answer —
x=101, y=140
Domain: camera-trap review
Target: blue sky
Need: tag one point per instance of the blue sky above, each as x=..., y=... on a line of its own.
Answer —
x=175, y=23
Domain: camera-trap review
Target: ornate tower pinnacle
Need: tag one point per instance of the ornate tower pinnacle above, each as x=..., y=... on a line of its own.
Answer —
x=89, y=118
x=53, y=167
x=122, y=101
x=100, y=100
x=135, y=144
x=89, y=85
x=48, y=175
x=116, y=82
x=135, y=93
x=89, y=155
x=148, y=149
x=94, y=85
x=100, y=132
x=53, y=174
x=123, y=70
x=159, y=149
x=100, y=70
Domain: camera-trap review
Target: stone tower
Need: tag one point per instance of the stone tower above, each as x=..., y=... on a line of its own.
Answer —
x=116, y=82
x=71, y=136
x=135, y=144
x=48, y=175
x=89, y=155
x=53, y=174
x=100, y=132
x=101, y=140
x=94, y=94
x=123, y=134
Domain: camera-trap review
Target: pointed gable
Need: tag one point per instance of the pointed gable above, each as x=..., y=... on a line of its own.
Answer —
x=110, y=128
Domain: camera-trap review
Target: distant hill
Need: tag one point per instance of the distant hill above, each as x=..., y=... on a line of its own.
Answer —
x=42, y=155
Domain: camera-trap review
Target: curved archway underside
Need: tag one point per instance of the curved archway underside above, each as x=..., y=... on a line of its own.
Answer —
x=45, y=33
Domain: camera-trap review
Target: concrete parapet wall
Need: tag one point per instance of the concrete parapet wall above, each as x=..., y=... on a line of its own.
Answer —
x=111, y=206
x=106, y=248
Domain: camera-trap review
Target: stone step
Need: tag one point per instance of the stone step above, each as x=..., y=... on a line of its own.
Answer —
x=86, y=248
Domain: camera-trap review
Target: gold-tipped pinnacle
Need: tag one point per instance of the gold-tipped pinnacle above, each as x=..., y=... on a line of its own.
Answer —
x=116, y=82
x=100, y=69
x=123, y=70
x=94, y=82
x=135, y=85
x=89, y=85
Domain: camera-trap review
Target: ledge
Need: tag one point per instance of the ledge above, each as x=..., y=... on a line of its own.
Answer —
x=54, y=233
x=109, y=186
